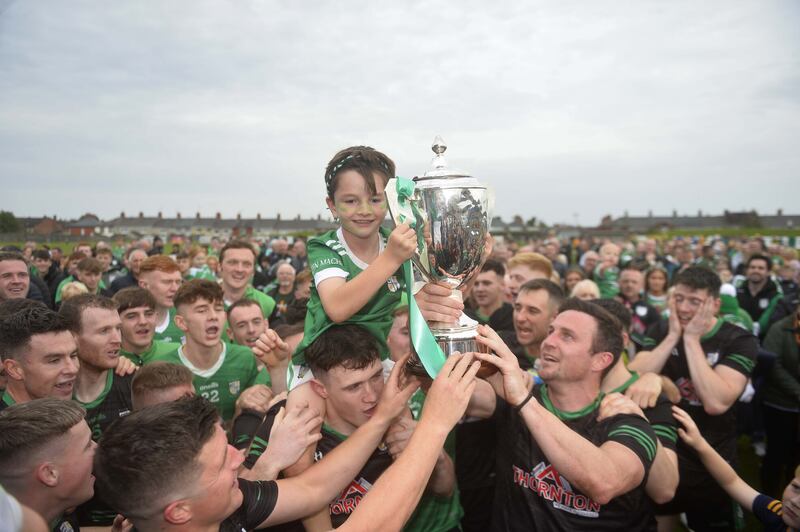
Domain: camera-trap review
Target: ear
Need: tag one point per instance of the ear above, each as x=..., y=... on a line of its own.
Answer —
x=601, y=361
x=331, y=206
x=319, y=388
x=47, y=473
x=181, y=323
x=228, y=330
x=717, y=305
x=142, y=283
x=14, y=369
x=178, y=512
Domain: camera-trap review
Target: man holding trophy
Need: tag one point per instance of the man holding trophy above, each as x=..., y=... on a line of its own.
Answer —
x=568, y=459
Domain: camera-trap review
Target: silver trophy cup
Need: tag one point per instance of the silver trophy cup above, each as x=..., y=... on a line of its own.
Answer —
x=454, y=211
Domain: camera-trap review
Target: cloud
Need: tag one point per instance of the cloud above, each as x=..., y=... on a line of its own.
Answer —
x=572, y=107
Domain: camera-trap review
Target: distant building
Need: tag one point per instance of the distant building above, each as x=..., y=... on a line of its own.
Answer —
x=728, y=220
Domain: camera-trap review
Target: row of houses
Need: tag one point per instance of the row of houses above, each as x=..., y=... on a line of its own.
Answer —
x=204, y=228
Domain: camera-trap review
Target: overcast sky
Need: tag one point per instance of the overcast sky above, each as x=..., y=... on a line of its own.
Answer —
x=569, y=110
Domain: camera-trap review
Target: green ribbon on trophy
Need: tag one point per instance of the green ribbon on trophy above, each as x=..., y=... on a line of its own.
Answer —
x=425, y=344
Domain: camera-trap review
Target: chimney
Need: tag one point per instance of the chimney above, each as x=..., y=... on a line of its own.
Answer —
x=218, y=216
x=780, y=212
x=626, y=213
x=159, y=215
x=674, y=213
x=239, y=216
x=122, y=214
x=178, y=215
x=258, y=216
x=650, y=213
x=298, y=217
x=319, y=216
x=141, y=214
x=278, y=217
x=197, y=215
x=700, y=213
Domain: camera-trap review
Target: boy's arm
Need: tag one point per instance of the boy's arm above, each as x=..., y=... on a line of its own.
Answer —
x=342, y=298
x=722, y=472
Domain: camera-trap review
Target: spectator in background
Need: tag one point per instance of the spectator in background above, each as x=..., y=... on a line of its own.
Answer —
x=299, y=256
x=524, y=267
x=781, y=406
x=588, y=262
x=488, y=293
x=655, y=287
x=586, y=290
x=72, y=289
x=759, y=294
x=573, y=276
x=15, y=281
x=283, y=293
x=133, y=261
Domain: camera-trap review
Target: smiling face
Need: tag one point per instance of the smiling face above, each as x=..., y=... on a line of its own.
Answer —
x=360, y=211
x=246, y=324
x=202, y=321
x=48, y=367
x=351, y=395
x=217, y=493
x=138, y=328
x=566, y=354
x=14, y=279
x=100, y=338
x=237, y=268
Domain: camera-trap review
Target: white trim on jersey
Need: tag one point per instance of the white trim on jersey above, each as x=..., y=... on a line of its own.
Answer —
x=205, y=373
x=329, y=273
x=358, y=262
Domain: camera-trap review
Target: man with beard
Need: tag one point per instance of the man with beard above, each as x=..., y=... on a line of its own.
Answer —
x=759, y=294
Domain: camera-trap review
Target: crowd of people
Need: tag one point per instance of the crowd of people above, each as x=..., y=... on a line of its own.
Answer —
x=260, y=385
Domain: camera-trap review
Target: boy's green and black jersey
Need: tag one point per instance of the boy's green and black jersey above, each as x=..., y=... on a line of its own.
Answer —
x=726, y=345
x=234, y=371
x=113, y=403
x=607, y=281
x=156, y=349
x=531, y=494
x=660, y=416
x=330, y=257
x=167, y=331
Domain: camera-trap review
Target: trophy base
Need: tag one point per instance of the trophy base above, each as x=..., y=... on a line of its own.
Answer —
x=459, y=339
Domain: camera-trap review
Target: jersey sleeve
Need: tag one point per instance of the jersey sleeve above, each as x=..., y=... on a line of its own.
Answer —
x=244, y=428
x=741, y=352
x=768, y=510
x=258, y=502
x=636, y=434
x=663, y=422
x=259, y=439
x=324, y=262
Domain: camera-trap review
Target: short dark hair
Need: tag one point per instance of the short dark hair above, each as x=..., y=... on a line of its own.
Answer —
x=608, y=334
x=134, y=297
x=493, y=265
x=12, y=255
x=103, y=251
x=618, y=310
x=192, y=290
x=296, y=311
x=10, y=306
x=72, y=309
x=237, y=244
x=284, y=330
x=759, y=256
x=26, y=428
x=699, y=278
x=364, y=160
x=41, y=254
x=158, y=376
x=350, y=346
x=17, y=329
x=244, y=302
x=555, y=293
x=150, y=455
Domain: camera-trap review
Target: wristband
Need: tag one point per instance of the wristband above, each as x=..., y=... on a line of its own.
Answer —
x=524, y=402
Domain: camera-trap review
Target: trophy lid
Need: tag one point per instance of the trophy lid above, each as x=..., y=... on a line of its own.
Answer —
x=439, y=168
